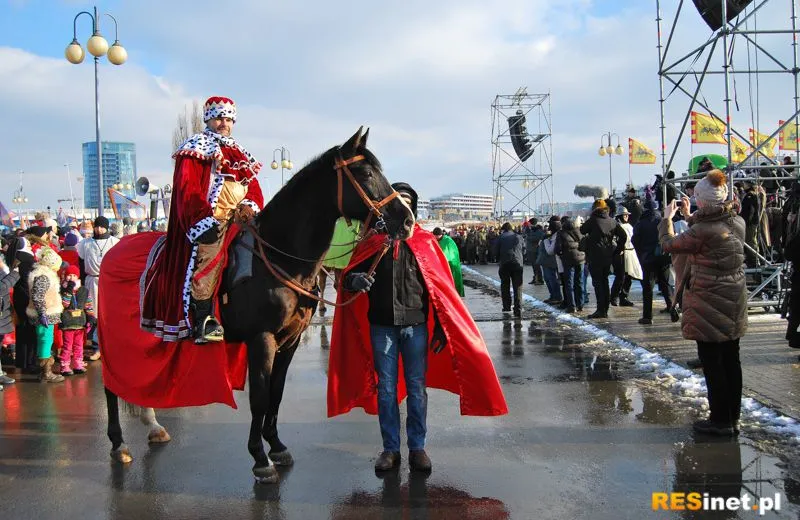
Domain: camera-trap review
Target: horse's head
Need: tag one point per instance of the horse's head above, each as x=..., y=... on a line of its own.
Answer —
x=365, y=194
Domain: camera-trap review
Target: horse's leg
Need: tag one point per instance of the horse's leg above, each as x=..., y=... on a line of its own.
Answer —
x=278, y=452
x=157, y=434
x=260, y=356
x=119, y=451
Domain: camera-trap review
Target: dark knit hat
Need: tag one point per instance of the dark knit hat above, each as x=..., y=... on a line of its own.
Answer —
x=101, y=221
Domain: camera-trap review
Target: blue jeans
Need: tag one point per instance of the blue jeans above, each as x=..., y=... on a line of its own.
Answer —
x=553, y=285
x=584, y=283
x=388, y=344
x=572, y=286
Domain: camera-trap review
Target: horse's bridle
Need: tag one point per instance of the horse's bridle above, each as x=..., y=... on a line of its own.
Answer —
x=341, y=166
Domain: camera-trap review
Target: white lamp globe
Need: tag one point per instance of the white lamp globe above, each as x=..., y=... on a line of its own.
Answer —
x=117, y=54
x=97, y=45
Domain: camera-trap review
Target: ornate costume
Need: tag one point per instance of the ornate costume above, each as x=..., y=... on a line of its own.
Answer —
x=214, y=176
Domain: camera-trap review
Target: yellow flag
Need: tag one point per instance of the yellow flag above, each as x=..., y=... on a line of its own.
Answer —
x=639, y=153
x=757, y=138
x=739, y=150
x=787, y=139
x=707, y=129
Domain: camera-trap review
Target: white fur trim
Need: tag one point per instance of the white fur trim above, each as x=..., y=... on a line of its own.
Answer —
x=201, y=227
x=252, y=204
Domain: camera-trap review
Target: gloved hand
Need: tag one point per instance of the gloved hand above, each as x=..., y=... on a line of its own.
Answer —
x=70, y=286
x=358, y=282
x=210, y=236
x=243, y=213
x=439, y=339
x=43, y=321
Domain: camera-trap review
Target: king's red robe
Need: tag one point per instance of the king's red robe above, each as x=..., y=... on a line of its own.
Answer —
x=166, y=285
x=464, y=367
x=149, y=357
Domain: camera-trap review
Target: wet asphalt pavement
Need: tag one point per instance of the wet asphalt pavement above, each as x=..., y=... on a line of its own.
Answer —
x=585, y=438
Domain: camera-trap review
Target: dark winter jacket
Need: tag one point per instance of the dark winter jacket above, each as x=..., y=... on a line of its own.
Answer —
x=509, y=248
x=399, y=296
x=606, y=239
x=750, y=210
x=7, y=282
x=21, y=292
x=533, y=236
x=645, y=239
x=567, y=245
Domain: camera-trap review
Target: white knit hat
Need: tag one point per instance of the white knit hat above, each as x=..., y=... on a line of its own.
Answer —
x=712, y=189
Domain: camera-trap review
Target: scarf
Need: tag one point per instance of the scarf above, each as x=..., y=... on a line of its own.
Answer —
x=208, y=145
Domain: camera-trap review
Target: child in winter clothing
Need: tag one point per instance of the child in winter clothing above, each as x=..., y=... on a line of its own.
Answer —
x=45, y=308
x=78, y=314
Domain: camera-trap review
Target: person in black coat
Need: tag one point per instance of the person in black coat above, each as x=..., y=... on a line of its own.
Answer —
x=654, y=265
x=19, y=255
x=8, y=279
x=572, y=258
x=605, y=240
x=750, y=212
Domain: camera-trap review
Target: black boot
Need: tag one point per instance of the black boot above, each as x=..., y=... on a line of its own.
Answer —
x=206, y=326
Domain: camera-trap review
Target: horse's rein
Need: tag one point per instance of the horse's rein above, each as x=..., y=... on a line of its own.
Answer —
x=342, y=168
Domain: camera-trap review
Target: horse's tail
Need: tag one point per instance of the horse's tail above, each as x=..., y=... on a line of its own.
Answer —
x=131, y=410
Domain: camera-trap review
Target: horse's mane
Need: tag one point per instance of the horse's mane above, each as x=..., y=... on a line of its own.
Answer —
x=287, y=196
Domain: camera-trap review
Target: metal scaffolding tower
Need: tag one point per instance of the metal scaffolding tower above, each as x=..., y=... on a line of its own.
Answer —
x=517, y=182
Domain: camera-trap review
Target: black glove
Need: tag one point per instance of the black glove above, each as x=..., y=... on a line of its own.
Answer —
x=439, y=339
x=210, y=236
x=358, y=282
x=70, y=287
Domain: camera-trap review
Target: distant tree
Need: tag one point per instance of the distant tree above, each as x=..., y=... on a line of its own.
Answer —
x=188, y=124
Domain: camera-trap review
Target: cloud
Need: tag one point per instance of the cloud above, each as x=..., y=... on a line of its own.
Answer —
x=421, y=74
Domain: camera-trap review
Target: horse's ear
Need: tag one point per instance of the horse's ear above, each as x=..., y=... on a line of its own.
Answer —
x=364, y=139
x=354, y=142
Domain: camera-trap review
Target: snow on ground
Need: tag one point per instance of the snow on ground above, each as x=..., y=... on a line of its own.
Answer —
x=686, y=385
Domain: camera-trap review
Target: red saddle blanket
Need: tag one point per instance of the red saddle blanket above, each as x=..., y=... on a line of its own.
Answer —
x=139, y=367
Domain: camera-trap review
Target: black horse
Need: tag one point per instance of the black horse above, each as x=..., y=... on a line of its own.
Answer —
x=271, y=311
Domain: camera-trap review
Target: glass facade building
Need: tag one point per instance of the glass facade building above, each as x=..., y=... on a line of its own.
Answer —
x=119, y=167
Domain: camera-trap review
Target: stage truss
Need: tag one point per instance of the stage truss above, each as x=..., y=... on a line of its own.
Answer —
x=518, y=185
x=717, y=57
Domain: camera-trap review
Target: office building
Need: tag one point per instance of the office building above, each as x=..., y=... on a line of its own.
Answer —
x=119, y=167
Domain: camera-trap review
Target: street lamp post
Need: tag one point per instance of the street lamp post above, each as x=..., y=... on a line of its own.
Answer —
x=286, y=161
x=97, y=46
x=19, y=198
x=609, y=150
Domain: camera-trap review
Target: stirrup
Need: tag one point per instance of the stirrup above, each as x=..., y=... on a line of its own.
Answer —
x=217, y=334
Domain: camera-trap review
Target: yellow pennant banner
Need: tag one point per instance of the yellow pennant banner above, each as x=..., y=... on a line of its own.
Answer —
x=757, y=138
x=787, y=139
x=638, y=153
x=707, y=129
x=739, y=150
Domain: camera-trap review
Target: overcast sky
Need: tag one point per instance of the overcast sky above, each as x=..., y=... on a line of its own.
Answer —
x=306, y=73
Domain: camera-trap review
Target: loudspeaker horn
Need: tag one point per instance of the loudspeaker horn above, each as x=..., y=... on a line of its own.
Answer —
x=142, y=186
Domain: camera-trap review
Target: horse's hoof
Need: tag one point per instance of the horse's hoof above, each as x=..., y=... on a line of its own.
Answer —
x=158, y=436
x=122, y=455
x=266, y=474
x=281, y=458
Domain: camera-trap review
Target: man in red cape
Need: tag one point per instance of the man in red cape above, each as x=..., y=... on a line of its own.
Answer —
x=215, y=177
x=412, y=308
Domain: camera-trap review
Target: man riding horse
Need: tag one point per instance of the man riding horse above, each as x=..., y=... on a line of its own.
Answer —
x=214, y=183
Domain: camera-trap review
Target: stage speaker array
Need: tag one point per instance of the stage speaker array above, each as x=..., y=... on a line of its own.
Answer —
x=523, y=146
x=711, y=10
